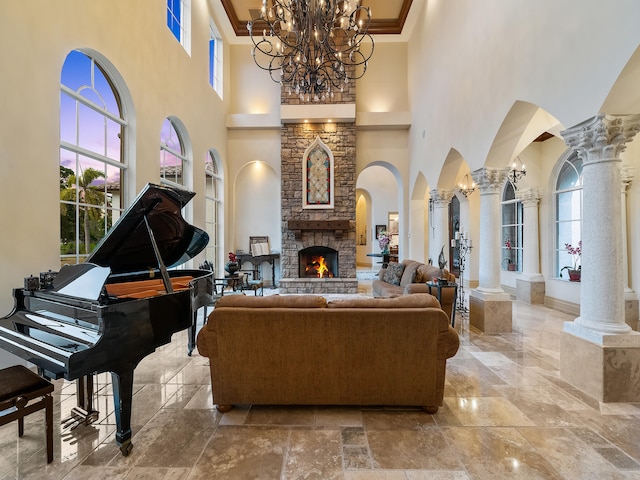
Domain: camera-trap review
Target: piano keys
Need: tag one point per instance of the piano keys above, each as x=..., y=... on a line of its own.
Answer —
x=107, y=314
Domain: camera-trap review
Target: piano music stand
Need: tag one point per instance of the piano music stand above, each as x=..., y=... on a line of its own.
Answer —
x=18, y=387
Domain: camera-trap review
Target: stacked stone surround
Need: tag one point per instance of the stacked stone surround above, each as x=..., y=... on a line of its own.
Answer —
x=340, y=138
x=348, y=95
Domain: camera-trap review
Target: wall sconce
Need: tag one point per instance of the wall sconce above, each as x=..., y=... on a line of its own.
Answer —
x=465, y=187
x=516, y=173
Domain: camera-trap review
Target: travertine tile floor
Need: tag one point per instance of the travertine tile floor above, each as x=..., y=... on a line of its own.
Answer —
x=506, y=414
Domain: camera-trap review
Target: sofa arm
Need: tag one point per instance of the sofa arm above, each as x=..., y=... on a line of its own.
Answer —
x=201, y=342
x=448, y=343
x=415, y=288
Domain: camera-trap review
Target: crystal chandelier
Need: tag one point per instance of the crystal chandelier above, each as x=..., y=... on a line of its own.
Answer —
x=312, y=47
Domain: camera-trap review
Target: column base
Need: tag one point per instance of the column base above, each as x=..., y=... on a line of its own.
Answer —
x=609, y=372
x=530, y=291
x=490, y=313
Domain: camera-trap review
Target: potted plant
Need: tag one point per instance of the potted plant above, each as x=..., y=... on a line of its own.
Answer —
x=383, y=241
x=575, y=270
x=232, y=265
x=507, y=263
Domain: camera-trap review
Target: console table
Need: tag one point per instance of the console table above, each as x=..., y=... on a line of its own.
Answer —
x=257, y=262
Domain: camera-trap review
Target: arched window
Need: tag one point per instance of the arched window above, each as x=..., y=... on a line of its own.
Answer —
x=568, y=196
x=213, y=194
x=92, y=132
x=173, y=155
x=512, y=212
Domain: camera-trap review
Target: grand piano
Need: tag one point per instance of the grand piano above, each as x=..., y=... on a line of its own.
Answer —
x=123, y=302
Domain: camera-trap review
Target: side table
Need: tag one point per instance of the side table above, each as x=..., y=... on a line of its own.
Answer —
x=439, y=286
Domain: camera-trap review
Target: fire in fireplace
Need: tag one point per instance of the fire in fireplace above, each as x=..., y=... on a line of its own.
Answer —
x=318, y=262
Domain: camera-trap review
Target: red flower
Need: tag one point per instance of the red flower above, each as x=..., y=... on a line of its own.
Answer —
x=233, y=257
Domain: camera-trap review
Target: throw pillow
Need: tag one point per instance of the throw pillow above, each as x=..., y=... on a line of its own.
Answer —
x=393, y=273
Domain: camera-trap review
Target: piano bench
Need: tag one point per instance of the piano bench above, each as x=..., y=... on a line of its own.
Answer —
x=18, y=387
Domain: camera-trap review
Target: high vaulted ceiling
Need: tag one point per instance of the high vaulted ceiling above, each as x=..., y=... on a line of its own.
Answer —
x=387, y=16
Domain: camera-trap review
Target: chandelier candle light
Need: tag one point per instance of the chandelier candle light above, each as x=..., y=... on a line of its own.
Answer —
x=313, y=47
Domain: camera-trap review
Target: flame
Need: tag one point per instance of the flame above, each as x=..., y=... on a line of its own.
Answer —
x=320, y=265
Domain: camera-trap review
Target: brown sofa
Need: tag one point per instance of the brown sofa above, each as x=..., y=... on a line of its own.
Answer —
x=303, y=350
x=412, y=279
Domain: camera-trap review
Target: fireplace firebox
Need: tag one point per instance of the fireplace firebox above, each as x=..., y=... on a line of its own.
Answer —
x=318, y=262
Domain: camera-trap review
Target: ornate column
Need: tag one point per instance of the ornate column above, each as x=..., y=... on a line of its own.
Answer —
x=530, y=286
x=631, y=306
x=440, y=200
x=599, y=352
x=489, y=305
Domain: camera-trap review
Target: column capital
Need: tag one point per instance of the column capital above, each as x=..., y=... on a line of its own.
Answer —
x=490, y=180
x=627, y=174
x=441, y=197
x=530, y=197
x=603, y=137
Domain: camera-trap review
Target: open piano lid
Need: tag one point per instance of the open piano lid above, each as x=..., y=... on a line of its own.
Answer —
x=128, y=248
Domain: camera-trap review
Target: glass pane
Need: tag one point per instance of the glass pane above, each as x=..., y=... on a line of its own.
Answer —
x=170, y=167
x=508, y=192
x=509, y=213
x=114, y=140
x=67, y=229
x=569, y=205
x=67, y=119
x=67, y=170
x=91, y=95
x=568, y=232
x=570, y=173
x=92, y=129
x=106, y=91
x=76, y=71
x=170, y=138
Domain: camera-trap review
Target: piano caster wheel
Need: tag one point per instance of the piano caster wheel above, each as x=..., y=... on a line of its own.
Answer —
x=126, y=448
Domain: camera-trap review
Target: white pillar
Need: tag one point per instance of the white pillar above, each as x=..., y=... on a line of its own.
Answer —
x=530, y=199
x=490, y=182
x=530, y=285
x=440, y=201
x=599, y=142
x=490, y=308
x=599, y=352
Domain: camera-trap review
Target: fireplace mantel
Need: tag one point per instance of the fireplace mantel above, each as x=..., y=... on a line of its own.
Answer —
x=337, y=225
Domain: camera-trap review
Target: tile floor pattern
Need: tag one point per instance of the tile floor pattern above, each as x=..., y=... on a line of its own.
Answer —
x=506, y=414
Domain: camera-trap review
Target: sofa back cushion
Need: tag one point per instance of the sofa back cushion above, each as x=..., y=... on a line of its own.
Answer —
x=409, y=274
x=419, y=300
x=393, y=273
x=272, y=301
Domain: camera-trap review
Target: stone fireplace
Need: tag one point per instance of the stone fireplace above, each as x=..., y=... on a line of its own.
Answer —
x=331, y=223
x=310, y=227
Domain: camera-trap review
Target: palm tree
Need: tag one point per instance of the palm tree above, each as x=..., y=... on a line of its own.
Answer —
x=87, y=195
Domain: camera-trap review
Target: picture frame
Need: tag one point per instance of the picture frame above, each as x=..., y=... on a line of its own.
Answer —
x=380, y=228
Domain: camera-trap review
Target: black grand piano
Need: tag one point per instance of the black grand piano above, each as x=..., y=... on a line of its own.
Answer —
x=107, y=314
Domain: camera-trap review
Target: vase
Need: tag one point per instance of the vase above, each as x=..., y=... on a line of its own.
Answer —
x=231, y=267
x=574, y=275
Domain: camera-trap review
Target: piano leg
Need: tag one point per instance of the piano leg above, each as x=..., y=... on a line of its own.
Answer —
x=192, y=332
x=122, y=384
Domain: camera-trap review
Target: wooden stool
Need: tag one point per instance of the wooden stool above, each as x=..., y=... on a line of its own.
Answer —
x=18, y=386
